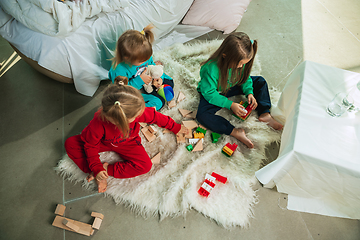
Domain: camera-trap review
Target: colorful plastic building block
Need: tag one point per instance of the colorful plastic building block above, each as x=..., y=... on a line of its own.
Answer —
x=209, y=183
x=219, y=178
x=229, y=149
x=215, y=137
x=247, y=108
x=198, y=135
x=189, y=147
x=201, y=130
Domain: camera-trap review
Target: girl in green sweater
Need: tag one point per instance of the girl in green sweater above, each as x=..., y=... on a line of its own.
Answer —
x=227, y=73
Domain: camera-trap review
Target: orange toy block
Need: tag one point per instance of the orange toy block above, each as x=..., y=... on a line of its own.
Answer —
x=71, y=225
x=156, y=159
x=198, y=135
x=97, y=223
x=148, y=135
x=84, y=229
x=60, y=210
x=97, y=215
x=198, y=146
x=172, y=104
x=181, y=97
x=190, y=124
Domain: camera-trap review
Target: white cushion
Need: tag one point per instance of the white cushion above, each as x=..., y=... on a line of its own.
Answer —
x=222, y=15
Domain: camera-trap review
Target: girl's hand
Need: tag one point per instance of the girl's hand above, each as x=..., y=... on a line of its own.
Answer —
x=184, y=130
x=252, y=101
x=103, y=174
x=159, y=63
x=238, y=109
x=146, y=78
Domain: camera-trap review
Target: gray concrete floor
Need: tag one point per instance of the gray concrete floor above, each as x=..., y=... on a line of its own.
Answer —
x=38, y=114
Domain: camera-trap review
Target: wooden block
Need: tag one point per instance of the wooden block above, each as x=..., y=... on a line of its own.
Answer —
x=97, y=223
x=148, y=135
x=60, y=209
x=192, y=114
x=172, y=104
x=84, y=229
x=189, y=134
x=156, y=159
x=152, y=129
x=190, y=124
x=181, y=97
x=97, y=215
x=184, y=112
x=198, y=146
x=71, y=225
x=180, y=138
x=142, y=124
x=167, y=131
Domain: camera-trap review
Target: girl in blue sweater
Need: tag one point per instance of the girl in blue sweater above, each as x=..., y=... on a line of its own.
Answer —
x=133, y=56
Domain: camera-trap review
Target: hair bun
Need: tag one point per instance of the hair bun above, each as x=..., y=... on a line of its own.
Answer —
x=121, y=81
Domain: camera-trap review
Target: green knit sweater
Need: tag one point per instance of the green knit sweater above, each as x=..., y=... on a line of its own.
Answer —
x=208, y=85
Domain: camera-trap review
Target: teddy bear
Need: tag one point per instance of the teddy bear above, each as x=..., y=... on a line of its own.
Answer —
x=164, y=90
x=155, y=71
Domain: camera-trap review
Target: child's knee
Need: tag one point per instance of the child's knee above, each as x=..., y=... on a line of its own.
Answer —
x=155, y=102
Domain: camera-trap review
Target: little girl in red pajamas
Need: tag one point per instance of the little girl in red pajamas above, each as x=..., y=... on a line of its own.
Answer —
x=115, y=127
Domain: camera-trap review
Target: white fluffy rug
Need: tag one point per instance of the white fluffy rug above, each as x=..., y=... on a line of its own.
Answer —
x=170, y=189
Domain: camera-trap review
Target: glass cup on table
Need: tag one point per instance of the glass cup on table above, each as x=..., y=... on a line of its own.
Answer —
x=339, y=105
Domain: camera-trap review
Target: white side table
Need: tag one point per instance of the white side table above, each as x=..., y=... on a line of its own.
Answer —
x=319, y=160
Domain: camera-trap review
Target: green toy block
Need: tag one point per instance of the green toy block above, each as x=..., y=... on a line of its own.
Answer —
x=215, y=137
x=189, y=147
x=199, y=129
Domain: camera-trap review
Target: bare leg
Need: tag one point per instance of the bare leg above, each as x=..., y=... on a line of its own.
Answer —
x=240, y=135
x=267, y=118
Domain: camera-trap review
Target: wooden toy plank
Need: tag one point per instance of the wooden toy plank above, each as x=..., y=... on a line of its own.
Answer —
x=60, y=209
x=156, y=159
x=71, y=225
x=181, y=97
x=184, y=112
x=152, y=129
x=192, y=114
x=198, y=146
x=190, y=124
x=97, y=223
x=189, y=134
x=148, y=135
x=85, y=229
x=171, y=104
x=97, y=215
x=180, y=138
x=166, y=131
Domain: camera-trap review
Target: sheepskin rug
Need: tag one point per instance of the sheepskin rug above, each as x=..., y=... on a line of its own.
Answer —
x=170, y=188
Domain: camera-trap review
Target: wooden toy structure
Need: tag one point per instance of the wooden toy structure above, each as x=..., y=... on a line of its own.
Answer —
x=75, y=226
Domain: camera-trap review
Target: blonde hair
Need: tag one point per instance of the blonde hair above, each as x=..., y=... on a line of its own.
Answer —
x=120, y=103
x=134, y=46
x=234, y=48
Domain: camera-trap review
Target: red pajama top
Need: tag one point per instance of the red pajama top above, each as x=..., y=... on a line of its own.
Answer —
x=104, y=132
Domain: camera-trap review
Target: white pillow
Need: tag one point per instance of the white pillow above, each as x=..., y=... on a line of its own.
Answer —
x=222, y=15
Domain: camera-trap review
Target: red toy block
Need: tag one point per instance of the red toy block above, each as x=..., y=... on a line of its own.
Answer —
x=229, y=149
x=219, y=178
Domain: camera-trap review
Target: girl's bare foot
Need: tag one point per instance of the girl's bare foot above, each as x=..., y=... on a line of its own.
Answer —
x=102, y=185
x=90, y=177
x=267, y=118
x=240, y=135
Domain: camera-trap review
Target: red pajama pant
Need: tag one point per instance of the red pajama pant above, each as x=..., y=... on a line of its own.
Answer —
x=135, y=159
